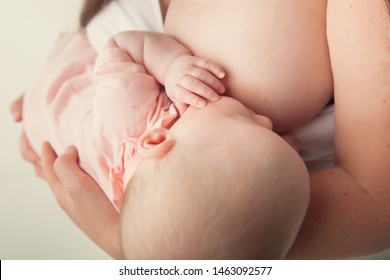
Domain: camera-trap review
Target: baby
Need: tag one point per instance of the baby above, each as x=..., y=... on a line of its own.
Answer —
x=219, y=169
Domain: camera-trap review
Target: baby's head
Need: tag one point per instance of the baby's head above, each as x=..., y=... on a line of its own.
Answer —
x=218, y=185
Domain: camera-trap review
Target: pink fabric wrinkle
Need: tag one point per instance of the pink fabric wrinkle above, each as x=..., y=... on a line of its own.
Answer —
x=114, y=60
x=129, y=160
x=180, y=108
x=123, y=170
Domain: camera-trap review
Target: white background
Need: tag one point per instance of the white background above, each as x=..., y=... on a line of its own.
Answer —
x=32, y=226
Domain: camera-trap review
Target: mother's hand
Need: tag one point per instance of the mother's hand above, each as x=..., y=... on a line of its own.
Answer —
x=82, y=199
x=76, y=192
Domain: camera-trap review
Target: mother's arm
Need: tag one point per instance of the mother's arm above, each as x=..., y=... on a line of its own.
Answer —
x=349, y=212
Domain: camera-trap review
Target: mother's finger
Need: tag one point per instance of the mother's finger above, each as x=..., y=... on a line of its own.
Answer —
x=17, y=109
x=48, y=159
x=75, y=180
x=27, y=151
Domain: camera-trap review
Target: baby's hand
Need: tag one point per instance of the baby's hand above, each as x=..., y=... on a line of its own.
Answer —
x=192, y=80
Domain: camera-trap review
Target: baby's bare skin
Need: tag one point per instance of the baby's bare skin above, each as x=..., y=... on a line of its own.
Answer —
x=275, y=53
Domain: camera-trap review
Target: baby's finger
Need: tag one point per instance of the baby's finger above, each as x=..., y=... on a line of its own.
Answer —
x=212, y=67
x=182, y=95
x=208, y=78
x=196, y=86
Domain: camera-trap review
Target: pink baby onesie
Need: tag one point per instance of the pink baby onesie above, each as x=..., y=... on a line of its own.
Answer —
x=102, y=108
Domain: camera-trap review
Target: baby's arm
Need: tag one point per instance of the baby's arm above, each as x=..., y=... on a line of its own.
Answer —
x=187, y=79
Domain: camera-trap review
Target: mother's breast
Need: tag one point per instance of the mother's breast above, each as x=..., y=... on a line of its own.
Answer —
x=274, y=52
